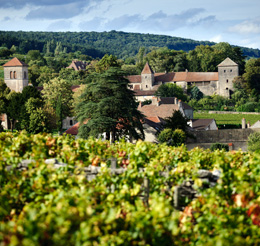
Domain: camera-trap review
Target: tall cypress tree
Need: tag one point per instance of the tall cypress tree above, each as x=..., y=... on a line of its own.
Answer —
x=107, y=105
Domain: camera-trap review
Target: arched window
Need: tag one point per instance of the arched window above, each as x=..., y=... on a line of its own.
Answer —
x=14, y=74
x=24, y=75
x=11, y=74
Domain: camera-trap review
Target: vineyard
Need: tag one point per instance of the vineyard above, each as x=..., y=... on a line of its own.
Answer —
x=45, y=205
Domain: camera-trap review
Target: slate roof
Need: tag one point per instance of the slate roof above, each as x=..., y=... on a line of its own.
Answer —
x=15, y=62
x=144, y=93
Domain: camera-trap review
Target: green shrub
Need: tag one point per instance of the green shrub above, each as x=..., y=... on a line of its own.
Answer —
x=254, y=141
x=219, y=146
x=172, y=137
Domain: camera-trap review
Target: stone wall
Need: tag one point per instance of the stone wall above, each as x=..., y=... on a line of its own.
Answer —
x=236, y=138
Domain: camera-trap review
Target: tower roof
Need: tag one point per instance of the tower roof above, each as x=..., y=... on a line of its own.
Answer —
x=147, y=69
x=15, y=62
x=227, y=62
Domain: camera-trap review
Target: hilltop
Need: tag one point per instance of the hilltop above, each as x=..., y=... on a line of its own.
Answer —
x=96, y=44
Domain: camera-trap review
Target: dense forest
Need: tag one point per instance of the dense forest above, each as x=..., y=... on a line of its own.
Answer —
x=95, y=44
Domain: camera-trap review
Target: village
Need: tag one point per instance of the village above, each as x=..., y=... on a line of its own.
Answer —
x=144, y=86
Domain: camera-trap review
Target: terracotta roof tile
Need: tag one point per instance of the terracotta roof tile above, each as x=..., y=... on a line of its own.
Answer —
x=73, y=130
x=144, y=93
x=201, y=76
x=134, y=78
x=162, y=111
x=147, y=69
x=15, y=62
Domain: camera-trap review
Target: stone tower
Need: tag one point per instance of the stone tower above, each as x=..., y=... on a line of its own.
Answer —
x=147, y=78
x=16, y=74
x=227, y=71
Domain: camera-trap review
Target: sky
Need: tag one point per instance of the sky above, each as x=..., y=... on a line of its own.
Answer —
x=234, y=21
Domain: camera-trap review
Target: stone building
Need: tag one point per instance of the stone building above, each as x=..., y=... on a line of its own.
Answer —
x=16, y=74
x=209, y=83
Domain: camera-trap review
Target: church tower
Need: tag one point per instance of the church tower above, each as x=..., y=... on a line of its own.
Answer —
x=147, y=78
x=16, y=74
x=227, y=71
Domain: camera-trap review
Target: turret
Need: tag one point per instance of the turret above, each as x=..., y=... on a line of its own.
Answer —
x=227, y=71
x=16, y=74
x=147, y=77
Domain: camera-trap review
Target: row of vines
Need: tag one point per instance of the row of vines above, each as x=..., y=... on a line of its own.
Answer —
x=47, y=206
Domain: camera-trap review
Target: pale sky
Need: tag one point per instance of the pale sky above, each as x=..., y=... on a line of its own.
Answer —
x=234, y=21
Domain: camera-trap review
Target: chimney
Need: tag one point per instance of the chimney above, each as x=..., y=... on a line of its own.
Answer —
x=175, y=100
x=248, y=124
x=243, y=123
x=140, y=104
x=179, y=103
x=156, y=101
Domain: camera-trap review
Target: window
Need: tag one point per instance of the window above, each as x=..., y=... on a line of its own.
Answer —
x=11, y=74
x=14, y=74
x=224, y=71
x=24, y=75
x=71, y=122
x=227, y=80
x=146, y=86
x=230, y=70
x=226, y=88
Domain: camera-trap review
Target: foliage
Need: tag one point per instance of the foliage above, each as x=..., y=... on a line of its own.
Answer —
x=219, y=146
x=176, y=121
x=58, y=89
x=171, y=90
x=252, y=74
x=96, y=44
x=171, y=137
x=106, y=62
x=195, y=93
x=109, y=106
x=254, y=141
x=47, y=206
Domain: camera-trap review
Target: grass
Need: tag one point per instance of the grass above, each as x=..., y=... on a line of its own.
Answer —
x=222, y=119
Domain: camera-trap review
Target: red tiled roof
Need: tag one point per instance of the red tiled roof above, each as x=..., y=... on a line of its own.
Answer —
x=201, y=76
x=77, y=65
x=134, y=78
x=144, y=93
x=154, y=119
x=162, y=111
x=15, y=62
x=74, y=88
x=73, y=130
x=147, y=69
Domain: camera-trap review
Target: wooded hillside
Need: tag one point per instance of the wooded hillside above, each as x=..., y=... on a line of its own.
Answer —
x=96, y=44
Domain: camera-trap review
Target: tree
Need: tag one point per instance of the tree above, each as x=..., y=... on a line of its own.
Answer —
x=172, y=137
x=252, y=74
x=38, y=121
x=196, y=93
x=176, y=121
x=108, y=106
x=254, y=141
x=106, y=62
x=58, y=94
x=171, y=90
x=13, y=109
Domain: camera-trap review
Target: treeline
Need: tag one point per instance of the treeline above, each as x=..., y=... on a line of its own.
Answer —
x=94, y=44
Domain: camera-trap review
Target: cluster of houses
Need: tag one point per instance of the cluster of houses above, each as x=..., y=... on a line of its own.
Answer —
x=145, y=86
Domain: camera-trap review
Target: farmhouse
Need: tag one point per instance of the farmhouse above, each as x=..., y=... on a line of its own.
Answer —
x=209, y=83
